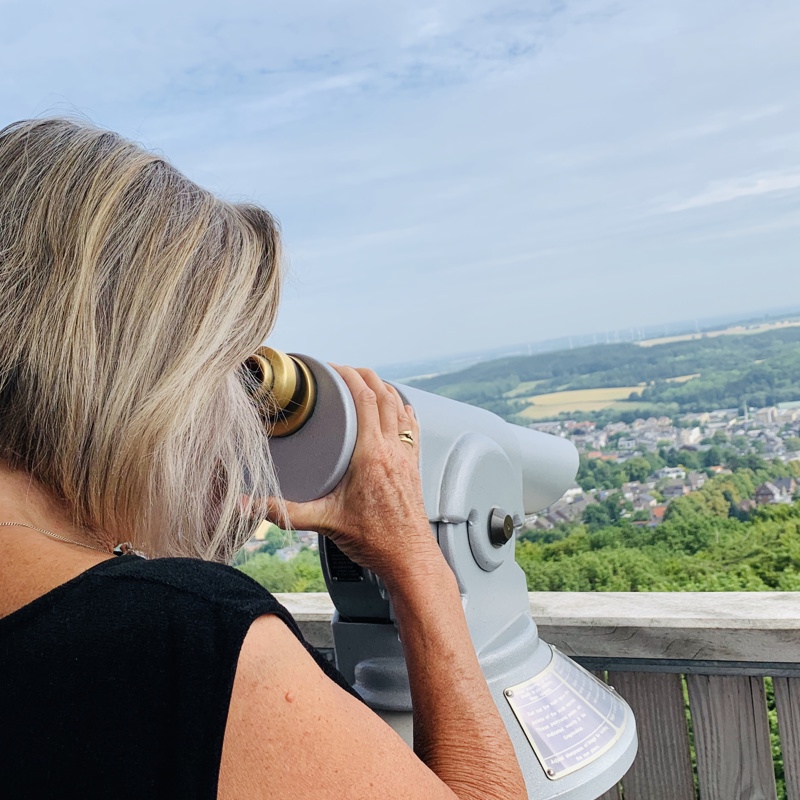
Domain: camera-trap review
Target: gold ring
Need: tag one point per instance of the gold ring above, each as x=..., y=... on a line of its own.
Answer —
x=407, y=437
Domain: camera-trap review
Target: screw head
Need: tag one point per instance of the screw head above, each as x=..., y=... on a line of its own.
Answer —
x=509, y=693
x=551, y=772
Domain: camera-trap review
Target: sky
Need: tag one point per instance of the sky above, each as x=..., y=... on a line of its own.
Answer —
x=462, y=175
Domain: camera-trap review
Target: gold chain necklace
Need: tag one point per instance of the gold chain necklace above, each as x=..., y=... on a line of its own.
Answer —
x=122, y=549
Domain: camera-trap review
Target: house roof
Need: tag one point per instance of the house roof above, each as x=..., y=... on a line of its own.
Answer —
x=658, y=511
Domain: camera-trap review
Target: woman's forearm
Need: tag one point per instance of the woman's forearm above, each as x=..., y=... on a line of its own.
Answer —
x=458, y=731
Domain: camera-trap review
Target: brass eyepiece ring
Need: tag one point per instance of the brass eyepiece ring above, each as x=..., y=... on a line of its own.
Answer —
x=285, y=390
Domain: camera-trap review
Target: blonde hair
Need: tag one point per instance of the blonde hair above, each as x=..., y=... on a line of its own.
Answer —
x=129, y=298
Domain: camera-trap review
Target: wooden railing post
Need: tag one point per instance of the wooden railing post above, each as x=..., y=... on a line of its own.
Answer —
x=663, y=767
x=787, y=703
x=731, y=737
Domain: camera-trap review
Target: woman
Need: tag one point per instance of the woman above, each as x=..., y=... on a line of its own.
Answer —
x=129, y=299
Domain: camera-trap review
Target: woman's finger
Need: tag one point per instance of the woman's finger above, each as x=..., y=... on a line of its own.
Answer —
x=366, y=402
x=413, y=421
x=402, y=415
x=405, y=419
x=413, y=426
x=309, y=516
x=289, y=515
x=405, y=413
x=387, y=407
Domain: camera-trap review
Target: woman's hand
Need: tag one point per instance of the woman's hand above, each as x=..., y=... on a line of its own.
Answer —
x=376, y=514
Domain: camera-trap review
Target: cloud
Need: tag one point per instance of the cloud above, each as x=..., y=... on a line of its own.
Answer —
x=726, y=191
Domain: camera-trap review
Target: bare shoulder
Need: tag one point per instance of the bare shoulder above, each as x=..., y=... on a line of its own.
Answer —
x=292, y=732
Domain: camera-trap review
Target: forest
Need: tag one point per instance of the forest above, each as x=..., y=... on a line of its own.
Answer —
x=706, y=543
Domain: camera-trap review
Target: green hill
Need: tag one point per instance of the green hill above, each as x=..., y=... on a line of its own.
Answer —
x=676, y=377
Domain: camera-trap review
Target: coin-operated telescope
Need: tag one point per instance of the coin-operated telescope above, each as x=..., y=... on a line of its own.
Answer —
x=574, y=736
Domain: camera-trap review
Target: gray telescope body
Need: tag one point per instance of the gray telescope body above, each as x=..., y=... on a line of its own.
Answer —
x=574, y=737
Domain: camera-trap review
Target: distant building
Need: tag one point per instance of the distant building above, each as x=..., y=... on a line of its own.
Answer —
x=673, y=473
x=724, y=413
x=547, y=427
x=689, y=436
x=780, y=490
x=644, y=502
x=720, y=470
x=288, y=553
x=309, y=539
x=657, y=514
x=572, y=425
x=538, y=522
x=767, y=493
x=589, y=441
x=631, y=489
x=766, y=416
x=695, y=481
x=580, y=504
x=674, y=489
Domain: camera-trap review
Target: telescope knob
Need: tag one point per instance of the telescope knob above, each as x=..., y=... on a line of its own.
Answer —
x=501, y=527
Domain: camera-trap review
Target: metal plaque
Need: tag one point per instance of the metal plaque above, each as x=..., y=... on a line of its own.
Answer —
x=569, y=716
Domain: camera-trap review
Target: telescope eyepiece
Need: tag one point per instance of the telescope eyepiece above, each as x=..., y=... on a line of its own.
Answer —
x=283, y=388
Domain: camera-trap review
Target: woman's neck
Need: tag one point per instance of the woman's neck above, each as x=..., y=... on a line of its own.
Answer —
x=32, y=563
x=23, y=499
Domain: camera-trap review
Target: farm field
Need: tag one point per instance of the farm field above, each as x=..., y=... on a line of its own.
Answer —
x=734, y=330
x=523, y=390
x=550, y=405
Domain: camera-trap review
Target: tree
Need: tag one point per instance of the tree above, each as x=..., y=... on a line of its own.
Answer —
x=607, y=512
x=688, y=459
x=712, y=457
x=637, y=468
x=275, y=539
x=302, y=574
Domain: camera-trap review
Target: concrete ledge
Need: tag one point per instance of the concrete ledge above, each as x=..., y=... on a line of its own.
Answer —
x=677, y=626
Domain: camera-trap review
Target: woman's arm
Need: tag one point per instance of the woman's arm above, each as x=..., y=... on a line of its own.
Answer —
x=458, y=732
x=292, y=733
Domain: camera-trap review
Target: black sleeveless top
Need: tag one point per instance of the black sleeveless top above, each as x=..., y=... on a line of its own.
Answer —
x=117, y=684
